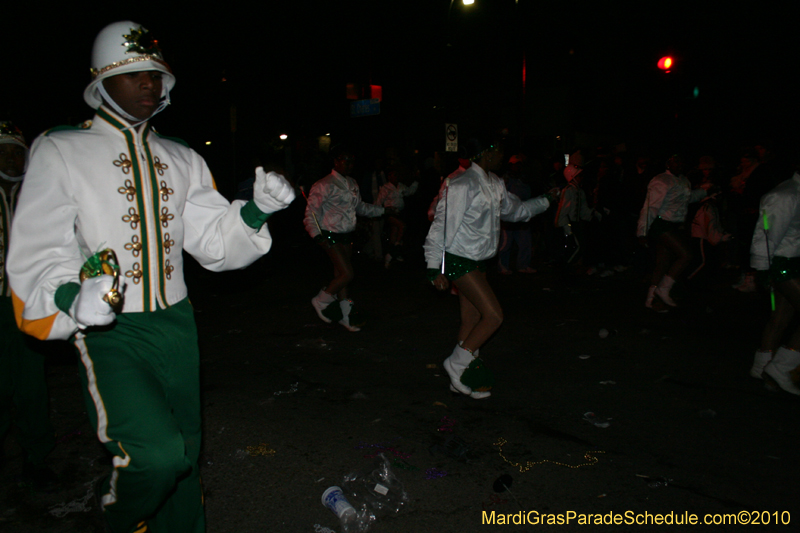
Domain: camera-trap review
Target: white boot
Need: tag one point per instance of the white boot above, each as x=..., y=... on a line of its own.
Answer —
x=651, y=292
x=346, y=306
x=320, y=302
x=761, y=359
x=476, y=353
x=455, y=365
x=780, y=368
x=662, y=291
x=475, y=395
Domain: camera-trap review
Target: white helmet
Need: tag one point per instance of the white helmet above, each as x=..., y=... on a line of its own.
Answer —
x=125, y=47
x=10, y=134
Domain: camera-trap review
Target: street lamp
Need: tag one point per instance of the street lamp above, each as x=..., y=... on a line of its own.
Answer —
x=447, y=21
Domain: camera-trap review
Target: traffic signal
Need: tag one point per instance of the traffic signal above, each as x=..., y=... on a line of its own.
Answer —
x=666, y=63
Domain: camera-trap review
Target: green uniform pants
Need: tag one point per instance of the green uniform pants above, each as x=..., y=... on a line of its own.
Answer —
x=22, y=381
x=142, y=389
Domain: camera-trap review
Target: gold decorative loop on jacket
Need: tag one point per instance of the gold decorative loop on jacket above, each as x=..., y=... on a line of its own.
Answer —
x=128, y=190
x=136, y=273
x=168, y=243
x=124, y=163
x=135, y=247
x=168, y=269
x=160, y=167
x=165, y=191
x=165, y=217
x=132, y=217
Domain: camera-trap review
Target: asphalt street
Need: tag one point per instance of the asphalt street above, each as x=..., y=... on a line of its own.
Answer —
x=659, y=417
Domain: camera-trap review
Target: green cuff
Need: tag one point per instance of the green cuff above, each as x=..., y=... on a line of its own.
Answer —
x=433, y=273
x=253, y=216
x=66, y=294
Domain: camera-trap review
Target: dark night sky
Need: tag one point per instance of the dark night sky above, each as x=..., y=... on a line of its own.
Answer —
x=591, y=69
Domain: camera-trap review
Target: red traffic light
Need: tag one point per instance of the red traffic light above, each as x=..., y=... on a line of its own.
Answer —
x=666, y=63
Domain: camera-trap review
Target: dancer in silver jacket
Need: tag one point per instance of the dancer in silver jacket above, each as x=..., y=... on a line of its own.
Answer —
x=333, y=203
x=464, y=234
x=775, y=250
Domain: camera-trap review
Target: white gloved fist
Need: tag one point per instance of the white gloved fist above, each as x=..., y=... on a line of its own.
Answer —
x=271, y=191
x=89, y=308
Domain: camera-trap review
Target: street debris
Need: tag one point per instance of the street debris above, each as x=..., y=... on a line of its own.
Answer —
x=596, y=420
x=260, y=449
x=292, y=388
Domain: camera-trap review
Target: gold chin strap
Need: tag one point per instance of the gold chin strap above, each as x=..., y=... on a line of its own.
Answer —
x=104, y=263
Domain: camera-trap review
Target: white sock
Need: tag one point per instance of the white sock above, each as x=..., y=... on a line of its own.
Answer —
x=325, y=297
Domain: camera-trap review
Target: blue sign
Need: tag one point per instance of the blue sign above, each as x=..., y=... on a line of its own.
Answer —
x=365, y=108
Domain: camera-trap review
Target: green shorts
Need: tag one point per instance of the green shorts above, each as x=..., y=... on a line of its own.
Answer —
x=336, y=238
x=660, y=226
x=456, y=266
x=784, y=268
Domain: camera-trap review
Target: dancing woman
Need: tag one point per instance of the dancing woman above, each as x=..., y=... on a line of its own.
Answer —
x=465, y=234
x=661, y=225
x=776, y=250
x=333, y=203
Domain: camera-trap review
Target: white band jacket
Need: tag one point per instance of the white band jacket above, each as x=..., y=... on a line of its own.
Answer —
x=668, y=197
x=334, y=201
x=392, y=195
x=110, y=186
x=475, y=204
x=782, y=208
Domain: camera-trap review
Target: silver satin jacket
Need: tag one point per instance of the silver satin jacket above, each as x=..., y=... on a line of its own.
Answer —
x=453, y=175
x=668, y=197
x=475, y=204
x=335, y=201
x=392, y=196
x=782, y=208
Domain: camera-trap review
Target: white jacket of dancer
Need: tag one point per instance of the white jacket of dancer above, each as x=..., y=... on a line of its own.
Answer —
x=453, y=175
x=475, y=204
x=782, y=208
x=146, y=197
x=333, y=203
x=668, y=197
x=392, y=195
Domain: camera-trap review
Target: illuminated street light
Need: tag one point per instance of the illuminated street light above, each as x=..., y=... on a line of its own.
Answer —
x=468, y=2
x=284, y=136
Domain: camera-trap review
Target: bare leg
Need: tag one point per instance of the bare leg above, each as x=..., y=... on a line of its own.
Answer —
x=782, y=369
x=790, y=290
x=400, y=230
x=476, y=289
x=663, y=258
x=340, y=255
x=470, y=316
x=676, y=243
x=396, y=230
x=778, y=322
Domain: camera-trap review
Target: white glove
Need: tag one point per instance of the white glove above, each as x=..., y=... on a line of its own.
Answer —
x=89, y=308
x=271, y=191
